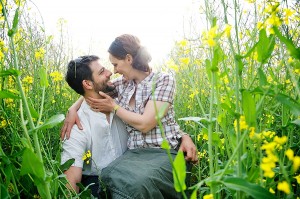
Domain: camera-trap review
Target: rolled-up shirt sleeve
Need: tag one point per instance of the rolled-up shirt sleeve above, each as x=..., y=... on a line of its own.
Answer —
x=74, y=147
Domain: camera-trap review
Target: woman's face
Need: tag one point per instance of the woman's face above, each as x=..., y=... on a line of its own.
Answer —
x=122, y=66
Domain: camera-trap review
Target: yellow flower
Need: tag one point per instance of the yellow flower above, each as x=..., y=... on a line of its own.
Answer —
x=297, y=178
x=296, y=163
x=3, y=123
x=259, y=25
x=87, y=157
x=227, y=30
x=39, y=53
x=211, y=42
x=209, y=196
x=284, y=186
x=205, y=137
x=28, y=79
x=280, y=140
x=290, y=154
x=252, y=132
x=185, y=60
x=271, y=190
x=57, y=76
x=183, y=43
x=273, y=20
x=243, y=124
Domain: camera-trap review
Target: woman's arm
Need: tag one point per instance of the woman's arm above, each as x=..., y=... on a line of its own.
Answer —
x=71, y=119
x=142, y=122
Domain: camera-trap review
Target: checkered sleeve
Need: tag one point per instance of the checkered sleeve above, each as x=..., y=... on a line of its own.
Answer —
x=165, y=88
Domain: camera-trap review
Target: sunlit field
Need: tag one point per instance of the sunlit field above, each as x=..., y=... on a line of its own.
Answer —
x=237, y=96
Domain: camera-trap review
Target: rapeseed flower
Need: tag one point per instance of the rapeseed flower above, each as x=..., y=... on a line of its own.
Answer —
x=227, y=30
x=87, y=156
x=57, y=76
x=208, y=196
x=28, y=79
x=296, y=163
x=39, y=54
x=297, y=178
x=243, y=124
x=284, y=186
x=290, y=154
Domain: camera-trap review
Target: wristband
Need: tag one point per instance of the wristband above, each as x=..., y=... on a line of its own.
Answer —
x=116, y=108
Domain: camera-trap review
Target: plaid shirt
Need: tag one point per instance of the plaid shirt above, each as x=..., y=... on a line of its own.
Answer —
x=164, y=91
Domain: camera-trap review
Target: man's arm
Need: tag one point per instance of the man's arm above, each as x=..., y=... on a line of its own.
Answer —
x=73, y=175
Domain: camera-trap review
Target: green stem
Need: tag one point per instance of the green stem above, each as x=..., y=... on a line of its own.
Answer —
x=232, y=156
x=210, y=133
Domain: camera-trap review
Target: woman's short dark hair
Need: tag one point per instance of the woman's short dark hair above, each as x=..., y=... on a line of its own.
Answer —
x=79, y=70
x=130, y=44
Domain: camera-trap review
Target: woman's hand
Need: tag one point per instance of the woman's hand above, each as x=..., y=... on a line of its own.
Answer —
x=187, y=146
x=71, y=119
x=106, y=104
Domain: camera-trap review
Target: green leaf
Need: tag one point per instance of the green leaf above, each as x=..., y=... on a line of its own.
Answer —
x=4, y=192
x=162, y=111
x=249, y=108
x=10, y=72
x=208, y=66
x=290, y=103
x=217, y=57
x=228, y=109
x=239, y=63
x=43, y=77
x=180, y=169
x=8, y=94
x=32, y=165
x=194, y=194
x=293, y=50
x=265, y=46
x=297, y=122
x=51, y=122
x=262, y=77
x=65, y=166
x=165, y=144
x=14, y=28
x=33, y=112
x=251, y=189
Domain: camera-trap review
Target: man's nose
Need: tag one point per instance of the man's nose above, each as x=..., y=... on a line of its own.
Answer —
x=108, y=73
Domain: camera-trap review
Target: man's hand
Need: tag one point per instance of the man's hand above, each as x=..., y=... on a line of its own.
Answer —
x=188, y=146
x=71, y=119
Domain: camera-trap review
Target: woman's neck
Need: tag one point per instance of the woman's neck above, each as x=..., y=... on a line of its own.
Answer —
x=138, y=76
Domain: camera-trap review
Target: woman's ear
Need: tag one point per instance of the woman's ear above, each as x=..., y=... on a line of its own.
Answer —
x=87, y=84
x=129, y=58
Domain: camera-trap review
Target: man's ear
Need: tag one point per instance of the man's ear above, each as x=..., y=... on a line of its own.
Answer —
x=87, y=84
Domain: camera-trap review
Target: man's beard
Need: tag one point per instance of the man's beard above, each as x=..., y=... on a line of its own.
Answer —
x=104, y=88
x=108, y=89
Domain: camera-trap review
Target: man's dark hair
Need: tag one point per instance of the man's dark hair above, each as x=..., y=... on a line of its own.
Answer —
x=79, y=70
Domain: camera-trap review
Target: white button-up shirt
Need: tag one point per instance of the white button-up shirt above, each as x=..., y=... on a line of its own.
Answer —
x=106, y=141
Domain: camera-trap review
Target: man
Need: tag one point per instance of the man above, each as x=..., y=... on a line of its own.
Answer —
x=103, y=137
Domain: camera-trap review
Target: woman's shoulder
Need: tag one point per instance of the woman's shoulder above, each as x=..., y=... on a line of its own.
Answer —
x=163, y=76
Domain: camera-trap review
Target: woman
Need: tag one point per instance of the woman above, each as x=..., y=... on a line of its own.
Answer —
x=144, y=171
